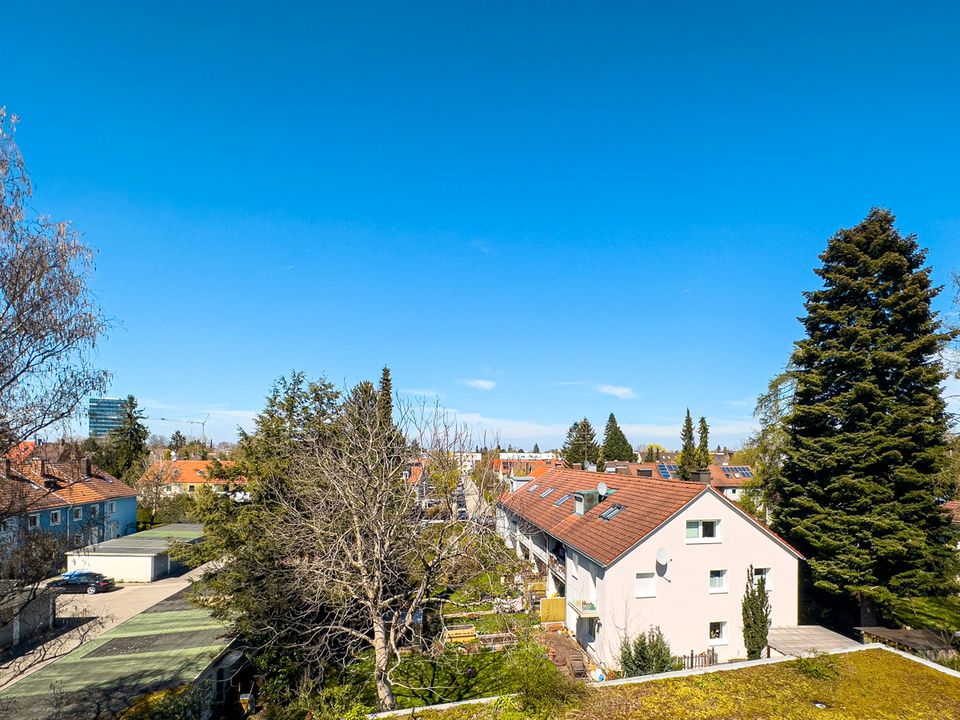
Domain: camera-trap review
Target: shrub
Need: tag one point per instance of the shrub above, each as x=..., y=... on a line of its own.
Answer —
x=756, y=615
x=818, y=666
x=647, y=653
x=543, y=691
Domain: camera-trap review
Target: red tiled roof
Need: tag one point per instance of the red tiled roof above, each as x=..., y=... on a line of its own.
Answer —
x=33, y=485
x=647, y=502
x=717, y=477
x=22, y=451
x=190, y=472
x=416, y=472
x=953, y=507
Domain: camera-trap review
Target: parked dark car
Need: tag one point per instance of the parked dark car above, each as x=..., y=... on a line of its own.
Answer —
x=90, y=583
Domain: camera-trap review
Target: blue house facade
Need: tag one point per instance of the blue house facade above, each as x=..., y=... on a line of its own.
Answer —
x=72, y=501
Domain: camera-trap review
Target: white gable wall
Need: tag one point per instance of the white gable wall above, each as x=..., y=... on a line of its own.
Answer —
x=684, y=606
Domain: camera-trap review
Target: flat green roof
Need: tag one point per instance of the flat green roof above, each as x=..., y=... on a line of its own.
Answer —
x=167, y=645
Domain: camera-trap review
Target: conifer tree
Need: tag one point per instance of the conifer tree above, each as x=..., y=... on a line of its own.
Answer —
x=687, y=461
x=703, y=445
x=536, y=448
x=385, y=398
x=865, y=433
x=615, y=443
x=755, y=610
x=581, y=444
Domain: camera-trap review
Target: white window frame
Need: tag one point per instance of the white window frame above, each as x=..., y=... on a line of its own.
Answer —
x=77, y=514
x=649, y=587
x=55, y=514
x=33, y=521
x=717, y=589
x=699, y=539
x=722, y=639
x=574, y=566
x=766, y=573
x=112, y=506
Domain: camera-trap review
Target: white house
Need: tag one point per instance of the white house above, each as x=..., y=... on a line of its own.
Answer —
x=640, y=552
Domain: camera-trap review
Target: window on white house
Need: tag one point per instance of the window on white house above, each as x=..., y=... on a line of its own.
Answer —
x=33, y=521
x=718, y=633
x=762, y=573
x=574, y=565
x=646, y=585
x=78, y=513
x=111, y=507
x=189, y=488
x=703, y=531
x=718, y=581
x=54, y=517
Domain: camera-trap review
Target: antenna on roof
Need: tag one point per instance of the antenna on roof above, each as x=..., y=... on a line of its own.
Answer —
x=601, y=488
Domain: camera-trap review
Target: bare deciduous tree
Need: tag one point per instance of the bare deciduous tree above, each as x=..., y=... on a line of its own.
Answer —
x=366, y=553
x=49, y=326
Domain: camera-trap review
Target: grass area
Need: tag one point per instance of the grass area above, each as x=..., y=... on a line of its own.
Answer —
x=495, y=623
x=940, y=614
x=872, y=684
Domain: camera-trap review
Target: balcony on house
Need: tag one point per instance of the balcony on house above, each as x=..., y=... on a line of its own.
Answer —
x=584, y=608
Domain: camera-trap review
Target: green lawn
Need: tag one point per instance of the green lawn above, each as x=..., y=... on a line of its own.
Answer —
x=940, y=614
x=874, y=684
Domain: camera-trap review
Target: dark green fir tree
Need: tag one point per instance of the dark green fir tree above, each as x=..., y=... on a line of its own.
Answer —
x=687, y=461
x=703, y=445
x=866, y=429
x=615, y=443
x=581, y=444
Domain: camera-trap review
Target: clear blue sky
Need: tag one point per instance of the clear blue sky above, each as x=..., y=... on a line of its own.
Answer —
x=587, y=207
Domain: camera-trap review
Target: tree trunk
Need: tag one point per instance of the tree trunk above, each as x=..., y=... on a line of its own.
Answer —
x=381, y=656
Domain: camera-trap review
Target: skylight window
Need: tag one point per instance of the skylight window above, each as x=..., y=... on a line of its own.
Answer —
x=611, y=512
x=547, y=492
x=533, y=487
x=562, y=499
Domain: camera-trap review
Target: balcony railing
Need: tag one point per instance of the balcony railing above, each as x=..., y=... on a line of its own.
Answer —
x=584, y=608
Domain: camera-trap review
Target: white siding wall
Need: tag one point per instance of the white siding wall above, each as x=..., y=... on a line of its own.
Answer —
x=684, y=606
x=122, y=568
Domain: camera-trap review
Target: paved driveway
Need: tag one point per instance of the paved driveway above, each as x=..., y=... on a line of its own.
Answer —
x=89, y=616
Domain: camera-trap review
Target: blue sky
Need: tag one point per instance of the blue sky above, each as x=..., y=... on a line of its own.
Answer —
x=536, y=211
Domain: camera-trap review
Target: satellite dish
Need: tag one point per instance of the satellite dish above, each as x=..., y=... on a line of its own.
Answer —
x=602, y=488
x=663, y=557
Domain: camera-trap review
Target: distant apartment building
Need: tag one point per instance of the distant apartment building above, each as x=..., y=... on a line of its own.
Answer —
x=104, y=415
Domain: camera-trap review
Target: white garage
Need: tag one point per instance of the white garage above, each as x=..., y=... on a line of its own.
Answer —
x=141, y=557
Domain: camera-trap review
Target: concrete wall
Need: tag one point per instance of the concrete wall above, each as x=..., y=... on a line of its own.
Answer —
x=684, y=605
x=122, y=568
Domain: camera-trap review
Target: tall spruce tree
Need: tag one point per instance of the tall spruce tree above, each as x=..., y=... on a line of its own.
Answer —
x=129, y=441
x=581, y=444
x=536, y=448
x=385, y=398
x=615, y=443
x=687, y=461
x=703, y=445
x=865, y=434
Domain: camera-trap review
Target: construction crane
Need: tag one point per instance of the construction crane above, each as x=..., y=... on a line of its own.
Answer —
x=201, y=423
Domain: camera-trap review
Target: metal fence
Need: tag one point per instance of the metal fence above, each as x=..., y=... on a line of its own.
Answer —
x=694, y=660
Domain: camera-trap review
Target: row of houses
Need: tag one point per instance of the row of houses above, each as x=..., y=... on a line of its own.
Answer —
x=629, y=551
x=72, y=500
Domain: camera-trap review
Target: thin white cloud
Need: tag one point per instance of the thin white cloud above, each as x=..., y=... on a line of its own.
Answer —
x=508, y=429
x=620, y=391
x=480, y=384
x=742, y=402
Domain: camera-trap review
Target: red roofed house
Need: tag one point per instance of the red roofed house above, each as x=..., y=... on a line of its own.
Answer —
x=178, y=476
x=632, y=553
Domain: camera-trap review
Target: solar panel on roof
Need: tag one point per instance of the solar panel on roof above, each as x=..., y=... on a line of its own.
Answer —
x=664, y=473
